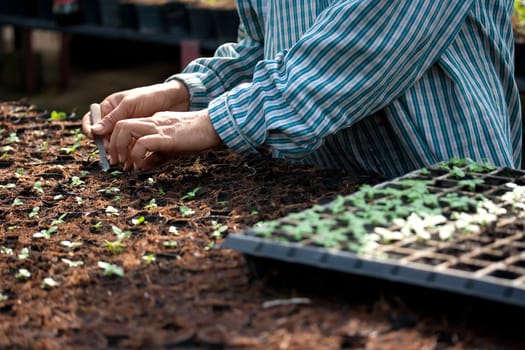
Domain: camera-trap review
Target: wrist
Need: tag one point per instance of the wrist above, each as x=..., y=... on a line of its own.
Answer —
x=180, y=95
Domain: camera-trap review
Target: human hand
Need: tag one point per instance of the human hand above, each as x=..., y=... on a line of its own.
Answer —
x=145, y=143
x=135, y=103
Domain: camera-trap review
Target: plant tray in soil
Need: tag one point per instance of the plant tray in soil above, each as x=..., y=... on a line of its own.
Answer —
x=457, y=226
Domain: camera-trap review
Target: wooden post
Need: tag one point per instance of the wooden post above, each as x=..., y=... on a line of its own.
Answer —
x=189, y=50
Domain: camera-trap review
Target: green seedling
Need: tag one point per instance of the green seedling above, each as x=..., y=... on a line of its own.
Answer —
x=218, y=230
x=470, y=184
x=76, y=181
x=71, y=149
x=72, y=264
x=111, y=269
x=37, y=186
x=58, y=115
x=44, y=147
x=12, y=138
x=116, y=173
x=121, y=235
x=46, y=233
x=19, y=172
x=71, y=245
x=6, y=250
x=191, y=194
x=186, y=211
x=97, y=226
x=149, y=258
x=8, y=186
x=34, y=212
x=24, y=254
x=152, y=204
x=59, y=220
x=48, y=282
x=17, y=202
x=115, y=247
x=170, y=244
x=23, y=274
x=457, y=173
x=173, y=230
x=138, y=221
x=112, y=211
x=3, y=297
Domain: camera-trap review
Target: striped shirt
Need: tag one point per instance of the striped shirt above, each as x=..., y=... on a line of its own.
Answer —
x=372, y=86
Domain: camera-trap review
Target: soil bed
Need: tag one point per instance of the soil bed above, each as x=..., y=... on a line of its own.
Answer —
x=179, y=290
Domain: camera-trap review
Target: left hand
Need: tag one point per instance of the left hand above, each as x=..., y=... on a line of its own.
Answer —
x=144, y=143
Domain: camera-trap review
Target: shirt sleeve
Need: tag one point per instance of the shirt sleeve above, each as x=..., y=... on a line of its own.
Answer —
x=231, y=64
x=357, y=57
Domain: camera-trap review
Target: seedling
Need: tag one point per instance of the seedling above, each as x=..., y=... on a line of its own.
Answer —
x=58, y=197
x=218, y=229
x=3, y=297
x=72, y=264
x=58, y=115
x=46, y=233
x=71, y=245
x=76, y=181
x=24, y=254
x=12, y=138
x=115, y=247
x=6, y=250
x=23, y=274
x=149, y=258
x=185, y=211
x=152, y=204
x=457, y=173
x=116, y=173
x=19, y=172
x=17, y=202
x=470, y=184
x=44, y=147
x=173, y=230
x=37, y=186
x=138, y=221
x=8, y=186
x=79, y=200
x=97, y=226
x=71, y=149
x=59, y=220
x=48, y=282
x=121, y=235
x=170, y=244
x=112, y=211
x=191, y=194
x=34, y=212
x=111, y=269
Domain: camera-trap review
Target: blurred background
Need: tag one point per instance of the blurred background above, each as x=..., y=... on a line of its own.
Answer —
x=66, y=54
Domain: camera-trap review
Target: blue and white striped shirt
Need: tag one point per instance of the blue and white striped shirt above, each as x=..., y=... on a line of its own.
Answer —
x=379, y=86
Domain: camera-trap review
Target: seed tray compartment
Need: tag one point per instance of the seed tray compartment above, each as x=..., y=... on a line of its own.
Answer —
x=487, y=262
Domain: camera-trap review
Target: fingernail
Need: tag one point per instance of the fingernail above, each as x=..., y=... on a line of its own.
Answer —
x=96, y=128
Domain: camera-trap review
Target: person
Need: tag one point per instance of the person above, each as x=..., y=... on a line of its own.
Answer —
x=369, y=86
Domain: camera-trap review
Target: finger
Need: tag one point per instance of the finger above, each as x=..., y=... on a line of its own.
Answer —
x=123, y=134
x=129, y=163
x=145, y=146
x=154, y=160
x=86, y=125
x=114, y=108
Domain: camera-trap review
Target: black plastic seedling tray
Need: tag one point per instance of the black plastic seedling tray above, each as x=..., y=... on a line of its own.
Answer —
x=488, y=263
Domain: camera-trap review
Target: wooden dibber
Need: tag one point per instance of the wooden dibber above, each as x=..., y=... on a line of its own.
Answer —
x=96, y=115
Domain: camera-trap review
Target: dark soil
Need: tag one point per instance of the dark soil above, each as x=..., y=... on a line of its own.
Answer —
x=193, y=295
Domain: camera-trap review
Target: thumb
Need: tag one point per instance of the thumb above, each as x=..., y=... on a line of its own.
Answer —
x=110, y=117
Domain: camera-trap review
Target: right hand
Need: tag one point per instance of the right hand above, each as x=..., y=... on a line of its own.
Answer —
x=136, y=103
